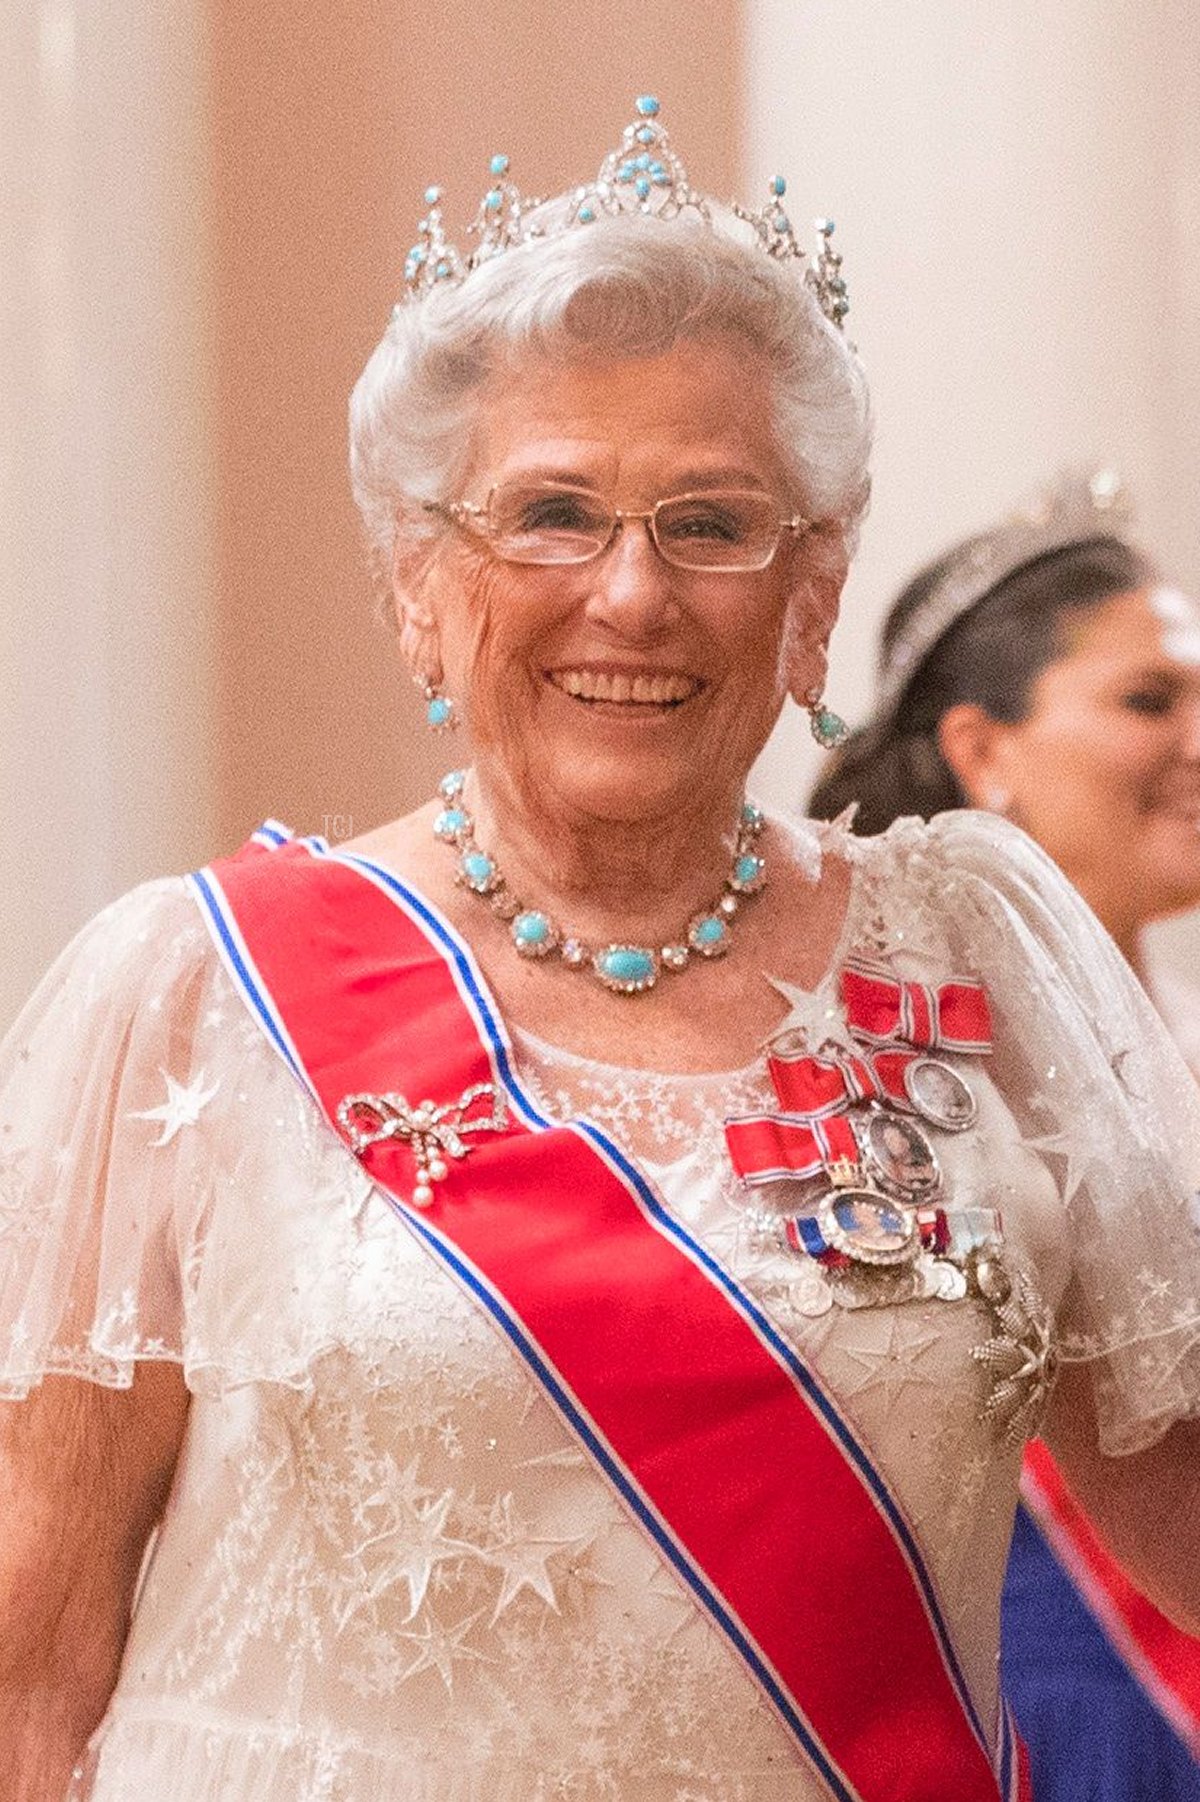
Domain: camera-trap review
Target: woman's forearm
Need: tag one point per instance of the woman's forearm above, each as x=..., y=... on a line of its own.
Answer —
x=45, y=1722
x=1146, y=1506
x=60, y=1652
x=84, y=1475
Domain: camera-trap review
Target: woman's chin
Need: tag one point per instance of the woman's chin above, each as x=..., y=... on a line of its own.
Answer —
x=608, y=782
x=1171, y=868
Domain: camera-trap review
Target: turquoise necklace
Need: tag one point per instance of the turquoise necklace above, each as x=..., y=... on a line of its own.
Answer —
x=625, y=969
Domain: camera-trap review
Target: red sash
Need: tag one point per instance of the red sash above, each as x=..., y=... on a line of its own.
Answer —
x=716, y=1435
x=1164, y=1659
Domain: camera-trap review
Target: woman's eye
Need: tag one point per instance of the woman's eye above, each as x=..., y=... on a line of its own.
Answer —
x=704, y=522
x=1152, y=703
x=559, y=513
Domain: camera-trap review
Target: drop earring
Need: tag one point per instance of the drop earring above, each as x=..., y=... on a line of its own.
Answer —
x=827, y=727
x=996, y=799
x=441, y=715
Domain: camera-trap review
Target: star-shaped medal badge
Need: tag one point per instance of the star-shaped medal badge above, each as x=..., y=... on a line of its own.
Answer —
x=184, y=1104
x=817, y=1019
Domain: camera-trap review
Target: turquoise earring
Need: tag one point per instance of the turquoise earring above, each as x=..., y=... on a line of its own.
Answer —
x=441, y=715
x=827, y=727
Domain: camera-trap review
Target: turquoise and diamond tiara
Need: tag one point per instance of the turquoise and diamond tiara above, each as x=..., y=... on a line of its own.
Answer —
x=643, y=176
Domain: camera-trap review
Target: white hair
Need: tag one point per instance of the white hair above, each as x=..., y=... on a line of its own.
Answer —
x=625, y=286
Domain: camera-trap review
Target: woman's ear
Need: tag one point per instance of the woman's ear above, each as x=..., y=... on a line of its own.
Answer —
x=416, y=622
x=977, y=749
x=812, y=616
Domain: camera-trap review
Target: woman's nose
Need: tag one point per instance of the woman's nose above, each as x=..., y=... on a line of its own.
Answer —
x=631, y=586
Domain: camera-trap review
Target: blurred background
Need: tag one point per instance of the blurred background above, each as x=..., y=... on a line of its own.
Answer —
x=204, y=206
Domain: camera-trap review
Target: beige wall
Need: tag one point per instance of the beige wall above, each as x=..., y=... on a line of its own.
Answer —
x=105, y=520
x=328, y=125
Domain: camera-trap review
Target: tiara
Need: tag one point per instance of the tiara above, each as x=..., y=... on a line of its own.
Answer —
x=643, y=176
x=1075, y=508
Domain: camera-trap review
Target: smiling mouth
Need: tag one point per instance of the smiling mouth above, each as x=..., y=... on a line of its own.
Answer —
x=626, y=689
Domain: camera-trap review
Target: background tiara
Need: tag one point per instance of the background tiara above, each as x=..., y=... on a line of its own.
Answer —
x=644, y=175
x=1074, y=508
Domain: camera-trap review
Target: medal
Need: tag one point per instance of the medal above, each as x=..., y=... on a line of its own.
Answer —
x=953, y=1017
x=939, y=1094
x=898, y=1155
x=866, y=1226
x=849, y=1113
x=891, y=1075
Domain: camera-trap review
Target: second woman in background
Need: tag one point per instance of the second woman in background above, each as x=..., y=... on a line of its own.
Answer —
x=1044, y=671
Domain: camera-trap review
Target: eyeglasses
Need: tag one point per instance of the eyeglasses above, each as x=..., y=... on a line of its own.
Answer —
x=732, y=529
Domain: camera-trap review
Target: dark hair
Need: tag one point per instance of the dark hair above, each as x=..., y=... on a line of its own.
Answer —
x=991, y=656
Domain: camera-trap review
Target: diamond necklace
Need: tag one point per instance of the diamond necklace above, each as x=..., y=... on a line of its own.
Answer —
x=625, y=969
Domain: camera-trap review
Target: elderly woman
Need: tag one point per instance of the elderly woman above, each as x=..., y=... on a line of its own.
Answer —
x=541, y=1391
x=1045, y=670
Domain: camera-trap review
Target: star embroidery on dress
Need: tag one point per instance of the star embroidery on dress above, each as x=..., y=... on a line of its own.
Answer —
x=413, y=1547
x=666, y=1591
x=1078, y=1159
x=580, y=1580
x=1156, y=1286
x=883, y=943
x=523, y=1562
x=440, y=1648
x=902, y=1360
x=184, y=1104
x=817, y=1018
x=450, y=1439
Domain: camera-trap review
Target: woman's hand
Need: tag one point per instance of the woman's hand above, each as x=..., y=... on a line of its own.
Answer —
x=1145, y=1506
x=84, y=1475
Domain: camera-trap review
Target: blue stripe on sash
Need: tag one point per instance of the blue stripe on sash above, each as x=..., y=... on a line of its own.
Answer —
x=237, y=962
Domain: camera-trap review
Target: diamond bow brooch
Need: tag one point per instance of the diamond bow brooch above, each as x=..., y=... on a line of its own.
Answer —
x=435, y=1133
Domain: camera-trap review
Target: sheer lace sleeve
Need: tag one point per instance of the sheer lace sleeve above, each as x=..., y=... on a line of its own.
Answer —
x=167, y=1190
x=89, y=1252
x=1100, y=1091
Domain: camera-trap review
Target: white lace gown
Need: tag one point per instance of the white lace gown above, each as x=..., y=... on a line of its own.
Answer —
x=387, y=1572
